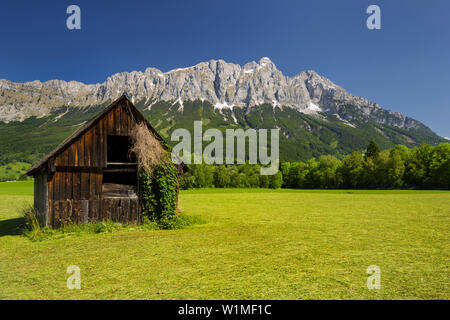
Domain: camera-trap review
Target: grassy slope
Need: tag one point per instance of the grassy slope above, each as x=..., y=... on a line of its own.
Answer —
x=13, y=170
x=256, y=244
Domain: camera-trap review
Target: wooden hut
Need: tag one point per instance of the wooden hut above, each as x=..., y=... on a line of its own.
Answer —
x=91, y=176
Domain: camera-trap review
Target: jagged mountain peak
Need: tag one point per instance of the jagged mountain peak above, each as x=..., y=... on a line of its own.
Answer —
x=265, y=60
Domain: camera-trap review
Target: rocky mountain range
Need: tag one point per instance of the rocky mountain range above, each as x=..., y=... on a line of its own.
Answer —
x=314, y=115
x=225, y=85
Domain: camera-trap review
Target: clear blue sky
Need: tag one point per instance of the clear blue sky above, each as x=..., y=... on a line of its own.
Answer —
x=405, y=66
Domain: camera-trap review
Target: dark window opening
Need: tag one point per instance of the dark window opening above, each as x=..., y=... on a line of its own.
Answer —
x=128, y=178
x=120, y=175
x=120, y=181
x=118, y=148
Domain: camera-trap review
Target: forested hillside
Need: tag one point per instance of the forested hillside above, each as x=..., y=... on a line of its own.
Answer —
x=302, y=136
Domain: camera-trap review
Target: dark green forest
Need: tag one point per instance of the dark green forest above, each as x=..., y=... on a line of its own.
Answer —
x=423, y=167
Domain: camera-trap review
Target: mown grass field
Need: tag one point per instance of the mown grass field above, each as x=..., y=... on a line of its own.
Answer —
x=255, y=244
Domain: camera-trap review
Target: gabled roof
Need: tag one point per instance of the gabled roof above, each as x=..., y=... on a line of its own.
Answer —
x=139, y=118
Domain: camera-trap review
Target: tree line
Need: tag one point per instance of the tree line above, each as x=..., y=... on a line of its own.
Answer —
x=423, y=167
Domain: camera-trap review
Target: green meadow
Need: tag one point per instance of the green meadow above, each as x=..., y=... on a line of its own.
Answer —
x=254, y=244
x=13, y=170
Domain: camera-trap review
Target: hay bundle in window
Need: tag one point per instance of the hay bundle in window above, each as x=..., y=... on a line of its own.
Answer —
x=148, y=150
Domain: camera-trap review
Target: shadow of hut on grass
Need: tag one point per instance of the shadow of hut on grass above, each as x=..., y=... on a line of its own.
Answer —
x=11, y=227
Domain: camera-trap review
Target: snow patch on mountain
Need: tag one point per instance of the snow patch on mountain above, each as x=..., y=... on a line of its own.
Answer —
x=223, y=105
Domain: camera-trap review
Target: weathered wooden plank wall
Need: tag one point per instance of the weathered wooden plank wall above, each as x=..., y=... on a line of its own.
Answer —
x=41, y=196
x=89, y=150
x=80, y=211
x=75, y=186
